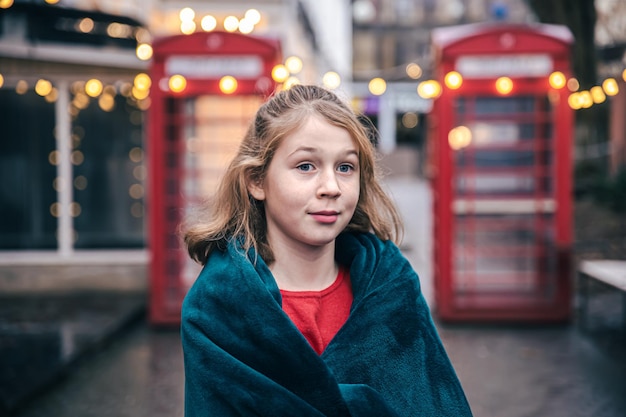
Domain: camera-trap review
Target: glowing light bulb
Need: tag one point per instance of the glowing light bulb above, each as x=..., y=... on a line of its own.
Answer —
x=597, y=94
x=504, y=85
x=142, y=81
x=293, y=64
x=43, y=87
x=573, y=84
x=186, y=14
x=557, y=80
x=144, y=51
x=331, y=80
x=187, y=27
x=459, y=137
x=93, y=87
x=453, y=80
x=413, y=70
x=177, y=83
x=231, y=23
x=208, y=23
x=253, y=16
x=429, y=89
x=228, y=84
x=377, y=86
x=573, y=101
x=291, y=81
x=280, y=73
x=610, y=87
x=245, y=26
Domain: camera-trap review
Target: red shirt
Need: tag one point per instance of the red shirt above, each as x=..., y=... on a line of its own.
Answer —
x=320, y=314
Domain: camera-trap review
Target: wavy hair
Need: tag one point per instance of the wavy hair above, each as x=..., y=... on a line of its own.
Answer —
x=233, y=213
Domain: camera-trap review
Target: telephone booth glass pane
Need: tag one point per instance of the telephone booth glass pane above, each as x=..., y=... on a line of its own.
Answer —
x=503, y=201
x=202, y=136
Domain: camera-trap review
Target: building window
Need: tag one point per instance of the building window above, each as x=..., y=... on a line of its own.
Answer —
x=106, y=179
x=27, y=171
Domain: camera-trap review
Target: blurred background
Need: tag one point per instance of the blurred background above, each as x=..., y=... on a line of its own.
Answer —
x=502, y=137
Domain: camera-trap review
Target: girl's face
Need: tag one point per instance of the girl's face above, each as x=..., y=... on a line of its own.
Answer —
x=311, y=187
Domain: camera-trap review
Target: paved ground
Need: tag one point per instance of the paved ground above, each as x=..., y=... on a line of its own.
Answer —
x=506, y=372
x=522, y=371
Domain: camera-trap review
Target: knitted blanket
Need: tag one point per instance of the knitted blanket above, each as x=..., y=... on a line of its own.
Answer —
x=244, y=357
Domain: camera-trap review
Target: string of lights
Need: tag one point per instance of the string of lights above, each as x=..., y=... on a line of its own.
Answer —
x=286, y=73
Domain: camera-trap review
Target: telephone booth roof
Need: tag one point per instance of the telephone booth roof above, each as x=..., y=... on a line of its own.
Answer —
x=499, y=38
x=203, y=58
x=215, y=43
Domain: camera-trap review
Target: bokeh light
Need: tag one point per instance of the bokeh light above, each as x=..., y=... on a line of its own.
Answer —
x=208, y=23
x=291, y=81
x=429, y=89
x=409, y=120
x=188, y=27
x=228, y=84
x=177, y=83
x=186, y=14
x=331, y=80
x=377, y=86
x=231, y=23
x=21, y=87
x=245, y=26
x=610, y=87
x=557, y=80
x=280, y=73
x=504, y=85
x=597, y=94
x=144, y=51
x=293, y=64
x=253, y=15
x=453, y=80
x=414, y=71
x=93, y=87
x=43, y=87
x=459, y=137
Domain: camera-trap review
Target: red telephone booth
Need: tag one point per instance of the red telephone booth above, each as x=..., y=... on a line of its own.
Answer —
x=501, y=159
x=206, y=88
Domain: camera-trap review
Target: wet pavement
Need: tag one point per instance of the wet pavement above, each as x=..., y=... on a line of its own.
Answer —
x=43, y=335
x=94, y=355
x=506, y=372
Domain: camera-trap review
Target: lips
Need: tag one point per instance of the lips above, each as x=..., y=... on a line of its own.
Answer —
x=325, y=216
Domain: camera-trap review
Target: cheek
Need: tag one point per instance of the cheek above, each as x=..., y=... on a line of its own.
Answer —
x=353, y=195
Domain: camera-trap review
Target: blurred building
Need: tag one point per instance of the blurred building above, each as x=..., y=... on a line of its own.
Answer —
x=72, y=109
x=392, y=56
x=610, y=36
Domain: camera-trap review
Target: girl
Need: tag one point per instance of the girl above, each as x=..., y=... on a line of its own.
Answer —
x=305, y=306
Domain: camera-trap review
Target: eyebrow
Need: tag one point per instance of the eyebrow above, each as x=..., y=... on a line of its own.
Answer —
x=311, y=149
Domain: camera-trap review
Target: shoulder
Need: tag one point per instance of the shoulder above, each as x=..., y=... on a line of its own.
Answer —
x=222, y=265
x=230, y=271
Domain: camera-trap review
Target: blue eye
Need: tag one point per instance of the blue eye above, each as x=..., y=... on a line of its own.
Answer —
x=305, y=167
x=345, y=168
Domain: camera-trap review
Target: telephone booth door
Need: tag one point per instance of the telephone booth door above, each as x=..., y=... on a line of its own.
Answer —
x=501, y=160
x=206, y=90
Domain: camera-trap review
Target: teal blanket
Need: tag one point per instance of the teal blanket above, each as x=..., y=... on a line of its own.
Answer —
x=244, y=357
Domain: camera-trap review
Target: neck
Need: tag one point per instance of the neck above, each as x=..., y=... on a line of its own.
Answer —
x=297, y=270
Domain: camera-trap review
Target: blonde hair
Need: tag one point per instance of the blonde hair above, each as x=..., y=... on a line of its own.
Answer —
x=233, y=213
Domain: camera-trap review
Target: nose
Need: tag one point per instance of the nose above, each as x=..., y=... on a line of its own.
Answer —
x=328, y=186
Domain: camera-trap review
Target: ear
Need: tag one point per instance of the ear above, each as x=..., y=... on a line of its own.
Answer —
x=255, y=188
